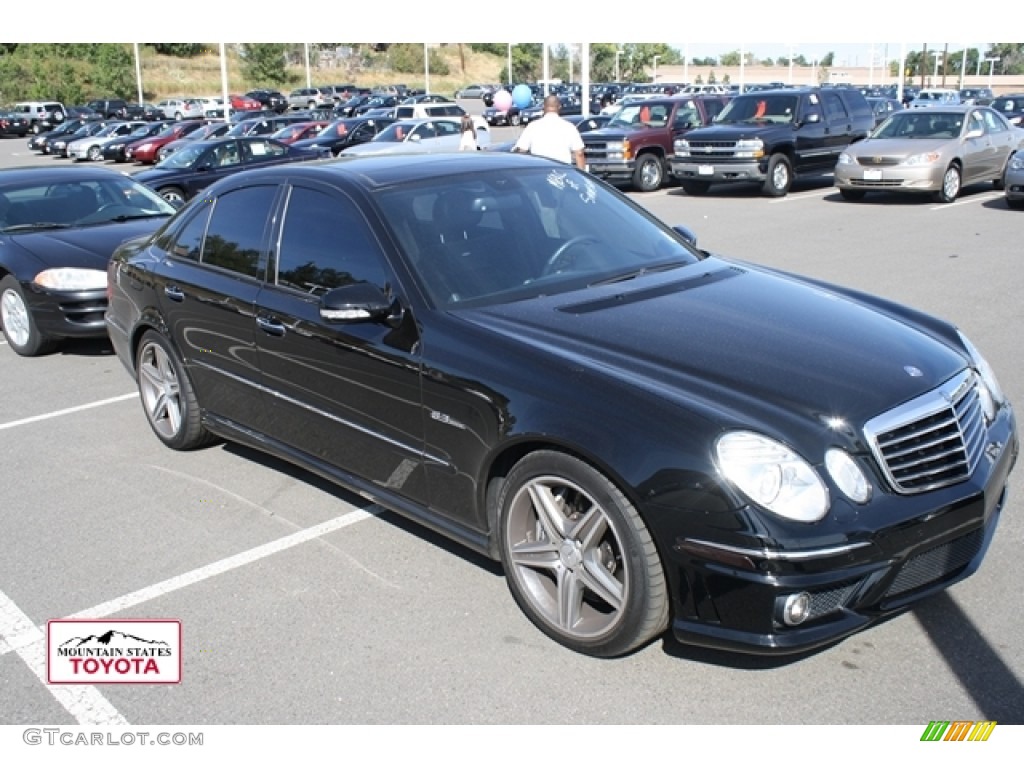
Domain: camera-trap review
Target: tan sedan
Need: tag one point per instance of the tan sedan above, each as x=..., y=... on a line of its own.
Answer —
x=935, y=150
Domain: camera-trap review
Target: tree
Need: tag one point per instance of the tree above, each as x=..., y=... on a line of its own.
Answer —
x=183, y=50
x=408, y=58
x=113, y=71
x=800, y=61
x=730, y=59
x=1011, y=58
x=264, y=63
x=827, y=59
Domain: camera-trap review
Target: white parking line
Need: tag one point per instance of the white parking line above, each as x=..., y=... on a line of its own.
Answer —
x=205, y=572
x=967, y=201
x=804, y=195
x=83, y=702
x=66, y=411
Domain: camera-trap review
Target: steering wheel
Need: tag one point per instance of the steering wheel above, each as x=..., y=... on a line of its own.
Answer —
x=551, y=266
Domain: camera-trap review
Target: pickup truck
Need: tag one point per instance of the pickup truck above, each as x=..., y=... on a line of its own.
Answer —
x=636, y=145
x=769, y=137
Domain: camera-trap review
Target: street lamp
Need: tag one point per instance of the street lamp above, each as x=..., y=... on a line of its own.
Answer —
x=654, y=79
x=510, y=64
x=991, y=65
x=617, y=54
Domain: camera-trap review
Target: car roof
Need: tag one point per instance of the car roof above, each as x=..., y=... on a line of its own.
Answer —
x=379, y=171
x=14, y=177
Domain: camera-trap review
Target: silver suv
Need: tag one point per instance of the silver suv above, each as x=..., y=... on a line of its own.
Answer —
x=310, y=98
x=41, y=115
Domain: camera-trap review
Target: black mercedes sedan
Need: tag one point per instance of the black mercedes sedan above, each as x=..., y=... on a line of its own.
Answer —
x=647, y=436
x=58, y=229
x=191, y=169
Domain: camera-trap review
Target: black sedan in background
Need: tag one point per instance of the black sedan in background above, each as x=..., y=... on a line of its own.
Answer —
x=274, y=100
x=58, y=228
x=40, y=142
x=345, y=133
x=190, y=170
x=515, y=354
x=115, y=148
x=13, y=124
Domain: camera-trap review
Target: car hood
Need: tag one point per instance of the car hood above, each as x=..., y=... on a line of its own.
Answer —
x=900, y=147
x=737, y=131
x=744, y=343
x=85, y=248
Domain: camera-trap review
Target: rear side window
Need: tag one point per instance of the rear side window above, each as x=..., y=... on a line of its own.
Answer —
x=856, y=104
x=234, y=238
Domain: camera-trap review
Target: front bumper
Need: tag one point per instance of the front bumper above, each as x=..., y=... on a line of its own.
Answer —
x=718, y=172
x=604, y=169
x=731, y=597
x=898, y=178
x=67, y=314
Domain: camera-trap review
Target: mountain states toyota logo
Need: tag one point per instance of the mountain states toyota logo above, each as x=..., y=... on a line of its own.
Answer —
x=115, y=651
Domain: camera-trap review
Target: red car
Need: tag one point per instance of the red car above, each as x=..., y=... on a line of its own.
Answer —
x=241, y=103
x=297, y=131
x=144, y=151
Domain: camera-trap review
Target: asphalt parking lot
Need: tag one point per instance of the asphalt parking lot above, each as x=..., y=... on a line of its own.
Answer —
x=301, y=603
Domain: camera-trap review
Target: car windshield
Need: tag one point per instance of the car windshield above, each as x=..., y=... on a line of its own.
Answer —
x=760, y=108
x=183, y=158
x=525, y=232
x=924, y=124
x=83, y=203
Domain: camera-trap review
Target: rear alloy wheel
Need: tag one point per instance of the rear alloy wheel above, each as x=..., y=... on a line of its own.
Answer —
x=950, y=185
x=579, y=561
x=515, y=120
x=780, y=176
x=649, y=173
x=852, y=194
x=95, y=153
x=20, y=329
x=695, y=188
x=167, y=395
x=178, y=116
x=172, y=195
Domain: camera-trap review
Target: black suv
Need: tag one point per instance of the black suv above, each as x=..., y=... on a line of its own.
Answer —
x=770, y=137
x=109, y=108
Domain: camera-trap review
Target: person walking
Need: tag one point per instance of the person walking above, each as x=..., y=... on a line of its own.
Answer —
x=468, y=131
x=553, y=136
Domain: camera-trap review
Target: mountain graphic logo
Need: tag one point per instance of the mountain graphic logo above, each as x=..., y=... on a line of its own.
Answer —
x=110, y=639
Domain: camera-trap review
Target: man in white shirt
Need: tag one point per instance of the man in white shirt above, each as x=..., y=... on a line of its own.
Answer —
x=552, y=136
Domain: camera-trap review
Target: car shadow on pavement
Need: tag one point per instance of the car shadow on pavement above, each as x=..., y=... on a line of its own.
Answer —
x=86, y=347
x=751, y=189
x=354, y=500
x=979, y=667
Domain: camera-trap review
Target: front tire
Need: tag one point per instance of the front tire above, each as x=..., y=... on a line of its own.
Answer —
x=950, y=189
x=780, y=176
x=168, y=399
x=578, y=559
x=649, y=173
x=20, y=329
x=95, y=154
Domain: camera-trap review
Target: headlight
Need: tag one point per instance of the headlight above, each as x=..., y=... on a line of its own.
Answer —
x=772, y=476
x=1017, y=162
x=845, y=159
x=992, y=394
x=71, y=279
x=925, y=158
x=753, y=148
x=847, y=475
x=682, y=147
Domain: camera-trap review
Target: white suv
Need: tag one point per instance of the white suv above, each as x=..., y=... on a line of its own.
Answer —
x=41, y=115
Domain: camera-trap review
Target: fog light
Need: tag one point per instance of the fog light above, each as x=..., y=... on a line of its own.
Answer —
x=796, y=609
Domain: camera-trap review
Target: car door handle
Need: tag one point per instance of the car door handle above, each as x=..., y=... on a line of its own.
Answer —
x=272, y=327
x=174, y=293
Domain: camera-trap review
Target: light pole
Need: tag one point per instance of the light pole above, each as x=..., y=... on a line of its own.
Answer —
x=138, y=70
x=991, y=65
x=426, y=69
x=309, y=79
x=510, y=63
x=617, y=54
x=654, y=79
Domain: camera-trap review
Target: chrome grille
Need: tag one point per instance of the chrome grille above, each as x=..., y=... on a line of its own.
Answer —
x=873, y=161
x=932, y=441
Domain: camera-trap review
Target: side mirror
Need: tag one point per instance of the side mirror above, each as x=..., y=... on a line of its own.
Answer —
x=204, y=166
x=686, y=233
x=812, y=117
x=975, y=133
x=354, y=303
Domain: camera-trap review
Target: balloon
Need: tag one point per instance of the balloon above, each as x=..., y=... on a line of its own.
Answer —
x=522, y=96
x=502, y=100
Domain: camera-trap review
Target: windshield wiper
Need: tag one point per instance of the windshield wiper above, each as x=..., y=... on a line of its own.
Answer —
x=645, y=270
x=36, y=225
x=133, y=216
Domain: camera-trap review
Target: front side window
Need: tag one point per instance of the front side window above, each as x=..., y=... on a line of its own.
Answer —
x=234, y=238
x=325, y=244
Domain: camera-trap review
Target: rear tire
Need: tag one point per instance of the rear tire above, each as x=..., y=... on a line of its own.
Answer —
x=168, y=399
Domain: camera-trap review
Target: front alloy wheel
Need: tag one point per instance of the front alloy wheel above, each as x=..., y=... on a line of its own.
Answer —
x=649, y=173
x=579, y=561
x=19, y=327
x=950, y=185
